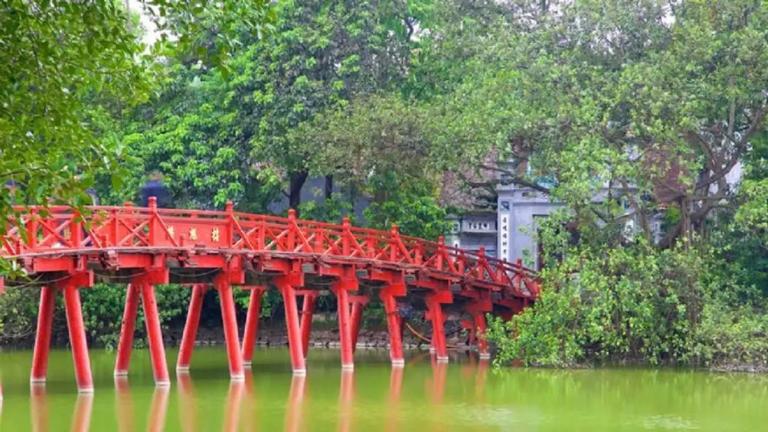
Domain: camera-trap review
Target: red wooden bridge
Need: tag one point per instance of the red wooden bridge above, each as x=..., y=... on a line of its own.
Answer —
x=63, y=250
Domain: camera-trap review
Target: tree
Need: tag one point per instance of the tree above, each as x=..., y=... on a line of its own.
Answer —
x=66, y=70
x=377, y=146
x=321, y=56
x=652, y=99
x=63, y=66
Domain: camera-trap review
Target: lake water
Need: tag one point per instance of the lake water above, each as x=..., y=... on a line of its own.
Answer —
x=465, y=395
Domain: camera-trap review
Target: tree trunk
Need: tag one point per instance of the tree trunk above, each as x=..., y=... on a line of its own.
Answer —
x=297, y=180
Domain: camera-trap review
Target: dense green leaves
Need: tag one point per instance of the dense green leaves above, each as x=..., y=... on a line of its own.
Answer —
x=63, y=67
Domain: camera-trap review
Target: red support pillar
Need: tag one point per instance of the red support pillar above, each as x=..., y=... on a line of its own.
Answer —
x=393, y=326
x=43, y=335
x=251, y=331
x=438, y=329
x=345, y=328
x=229, y=321
x=307, y=310
x=125, y=344
x=190, y=328
x=77, y=337
x=292, y=324
x=480, y=336
x=154, y=335
x=356, y=318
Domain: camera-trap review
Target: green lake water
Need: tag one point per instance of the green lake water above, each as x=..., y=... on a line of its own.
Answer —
x=465, y=395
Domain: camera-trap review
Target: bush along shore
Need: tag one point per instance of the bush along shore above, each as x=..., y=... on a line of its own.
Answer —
x=637, y=305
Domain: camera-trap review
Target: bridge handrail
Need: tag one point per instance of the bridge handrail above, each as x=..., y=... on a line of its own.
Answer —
x=67, y=227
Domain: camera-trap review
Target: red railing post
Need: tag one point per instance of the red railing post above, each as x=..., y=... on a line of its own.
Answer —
x=75, y=230
x=481, y=263
x=261, y=234
x=125, y=343
x=319, y=245
x=346, y=234
x=440, y=252
x=393, y=243
x=153, y=221
x=32, y=227
x=113, y=231
x=251, y=330
x=291, y=238
x=43, y=335
x=229, y=234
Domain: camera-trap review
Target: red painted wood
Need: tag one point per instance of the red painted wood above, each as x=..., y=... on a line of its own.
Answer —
x=251, y=331
x=292, y=325
x=355, y=321
x=345, y=328
x=438, y=328
x=154, y=335
x=393, y=327
x=307, y=311
x=77, y=339
x=231, y=338
x=43, y=336
x=125, y=344
x=190, y=328
x=128, y=230
x=146, y=240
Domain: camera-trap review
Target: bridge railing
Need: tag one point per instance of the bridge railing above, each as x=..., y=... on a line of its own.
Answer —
x=39, y=230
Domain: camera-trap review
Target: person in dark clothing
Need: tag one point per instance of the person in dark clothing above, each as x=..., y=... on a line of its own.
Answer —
x=155, y=187
x=91, y=192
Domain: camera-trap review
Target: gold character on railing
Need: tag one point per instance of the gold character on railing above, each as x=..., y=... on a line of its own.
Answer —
x=215, y=234
x=193, y=233
x=171, y=232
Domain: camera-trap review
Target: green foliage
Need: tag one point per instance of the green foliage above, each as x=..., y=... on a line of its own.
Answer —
x=188, y=133
x=69, y=69
x=638, y=97
x=63, y=68
x=103, y=310
x=18, y=314
x=331, y=209
x=320, y=57
x=631, y=303
x=270, y=302
x=414, y=208
x=608, y=303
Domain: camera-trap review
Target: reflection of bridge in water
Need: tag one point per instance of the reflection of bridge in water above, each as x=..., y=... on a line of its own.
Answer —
x=63, y=251
x=240, y=406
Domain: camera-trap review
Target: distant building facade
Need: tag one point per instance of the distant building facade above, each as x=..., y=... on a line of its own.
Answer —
x=509, y=232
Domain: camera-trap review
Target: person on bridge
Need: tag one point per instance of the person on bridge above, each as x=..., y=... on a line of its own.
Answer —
x=156, y=188
x=11, y=187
